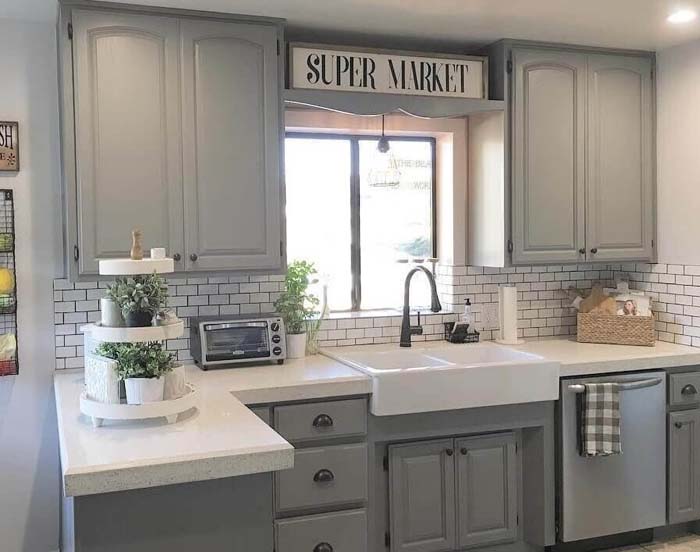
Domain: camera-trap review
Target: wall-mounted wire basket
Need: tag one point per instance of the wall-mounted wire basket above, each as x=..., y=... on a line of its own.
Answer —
x=9, y=364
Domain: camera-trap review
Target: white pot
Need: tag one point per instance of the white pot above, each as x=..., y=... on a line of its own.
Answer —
x=110, y=314
x=144, y=390
x=175, y=383
x=296, y=345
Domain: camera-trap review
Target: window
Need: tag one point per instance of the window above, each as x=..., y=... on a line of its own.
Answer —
x=356, y=212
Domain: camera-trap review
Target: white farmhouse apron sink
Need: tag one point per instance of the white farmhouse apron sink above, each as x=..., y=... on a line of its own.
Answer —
x=438, y=376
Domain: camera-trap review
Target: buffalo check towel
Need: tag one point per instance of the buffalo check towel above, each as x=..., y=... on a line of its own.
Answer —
x=600, y=420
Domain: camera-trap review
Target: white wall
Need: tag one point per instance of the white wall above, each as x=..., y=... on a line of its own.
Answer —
x=678, y=144
x=29, y=483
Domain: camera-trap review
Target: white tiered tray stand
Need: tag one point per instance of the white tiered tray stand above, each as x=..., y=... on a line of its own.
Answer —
x=168, y=409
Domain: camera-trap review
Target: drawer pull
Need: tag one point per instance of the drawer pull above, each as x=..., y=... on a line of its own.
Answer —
x=689, y=390
x=323, y=547
x=323, y=420
x=324, y=476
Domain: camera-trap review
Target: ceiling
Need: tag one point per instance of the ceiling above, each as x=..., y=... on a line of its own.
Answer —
x=639, y=24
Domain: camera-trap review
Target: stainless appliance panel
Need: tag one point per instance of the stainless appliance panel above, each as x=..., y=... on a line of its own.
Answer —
x=615, y=494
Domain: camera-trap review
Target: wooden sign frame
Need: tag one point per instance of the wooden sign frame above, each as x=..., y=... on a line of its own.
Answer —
x=9, y=155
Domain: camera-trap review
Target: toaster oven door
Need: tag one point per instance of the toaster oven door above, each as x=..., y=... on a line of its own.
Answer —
x=232, y=341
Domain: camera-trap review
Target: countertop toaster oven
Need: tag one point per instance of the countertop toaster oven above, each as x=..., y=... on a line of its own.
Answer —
x=228, y=340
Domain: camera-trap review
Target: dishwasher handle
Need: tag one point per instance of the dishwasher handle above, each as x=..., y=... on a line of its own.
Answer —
x=624, y=386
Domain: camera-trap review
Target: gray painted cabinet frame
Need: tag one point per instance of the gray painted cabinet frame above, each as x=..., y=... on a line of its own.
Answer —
x=151, y=138
x=684, y=466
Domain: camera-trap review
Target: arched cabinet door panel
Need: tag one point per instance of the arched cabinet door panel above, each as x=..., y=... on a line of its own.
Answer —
x=548, y=156
x=620, y=159
x=127, y=134
x=231, y=146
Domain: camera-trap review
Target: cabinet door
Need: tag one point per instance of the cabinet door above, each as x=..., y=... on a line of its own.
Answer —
x=422, y=496
x=619, y=218
x=487, y=498
x=231, y=145
x=127, y=132
x=548, y=156
x=684, y=466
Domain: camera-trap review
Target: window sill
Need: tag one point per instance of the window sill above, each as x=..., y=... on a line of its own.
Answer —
x=383, y=313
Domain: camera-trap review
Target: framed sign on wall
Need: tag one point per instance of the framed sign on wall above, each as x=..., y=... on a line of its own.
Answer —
x=345, y=68
x=9, y=146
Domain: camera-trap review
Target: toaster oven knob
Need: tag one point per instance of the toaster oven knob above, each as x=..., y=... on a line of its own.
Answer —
x=276, y=338
x=275, y=327
x=277, y=351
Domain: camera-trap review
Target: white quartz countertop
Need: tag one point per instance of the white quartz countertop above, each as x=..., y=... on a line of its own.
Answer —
x=581, y=359
x=221, y=438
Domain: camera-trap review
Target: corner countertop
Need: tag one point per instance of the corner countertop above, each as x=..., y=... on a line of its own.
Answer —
x=584, y=359
x=221, y=438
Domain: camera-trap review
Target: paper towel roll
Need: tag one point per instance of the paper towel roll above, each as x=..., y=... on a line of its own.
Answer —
x=508, y=315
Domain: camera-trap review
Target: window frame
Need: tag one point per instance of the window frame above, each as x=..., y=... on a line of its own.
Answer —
x=355, y=207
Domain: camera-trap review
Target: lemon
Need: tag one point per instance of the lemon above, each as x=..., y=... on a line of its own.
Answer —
x=7, y=281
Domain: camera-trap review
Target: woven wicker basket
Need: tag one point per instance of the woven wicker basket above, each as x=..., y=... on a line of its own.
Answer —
x=617, y=330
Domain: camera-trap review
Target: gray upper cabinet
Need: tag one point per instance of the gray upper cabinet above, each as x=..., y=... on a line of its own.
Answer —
x=231, y=146
x=548, y=156
x=487, y=500
x=127, y=128
x=422, y=496
x=582, y=156
x=172, y=124
x=684, y=466
x=620, y=158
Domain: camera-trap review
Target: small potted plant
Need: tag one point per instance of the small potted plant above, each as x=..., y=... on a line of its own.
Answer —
x=142, y=366
x=296, y=306
x=139, y=298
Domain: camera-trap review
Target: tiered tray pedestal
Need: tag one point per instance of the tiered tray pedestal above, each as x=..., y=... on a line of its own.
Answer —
x=99, y=410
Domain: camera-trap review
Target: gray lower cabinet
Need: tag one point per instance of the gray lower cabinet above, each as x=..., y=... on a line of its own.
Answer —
x=582, y=155
x=171, y=124
x=322, y=477
x=422, y=496
x=453, y=494
x=684, y=466
x=487, y=505
x=330, y=532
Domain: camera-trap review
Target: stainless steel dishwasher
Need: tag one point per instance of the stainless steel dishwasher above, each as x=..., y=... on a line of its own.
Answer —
x=614, y=494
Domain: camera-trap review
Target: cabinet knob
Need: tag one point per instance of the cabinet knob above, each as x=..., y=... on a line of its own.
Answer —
x=449, y=452
x=177, y=257
x=582, y=251
x=323, y=420
x=594, y=250
x=678, y=425
x=463, y=451
x=689, y=389
x=323, y=547
x=193, y=257
x=324, y=476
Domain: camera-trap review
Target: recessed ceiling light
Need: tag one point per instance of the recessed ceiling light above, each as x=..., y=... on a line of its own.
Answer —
x=682, y=16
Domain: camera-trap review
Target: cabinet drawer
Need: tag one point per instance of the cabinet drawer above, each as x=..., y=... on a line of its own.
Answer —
x=322, y=477
x=304, y=422
x=342, y=531
x=684, y=388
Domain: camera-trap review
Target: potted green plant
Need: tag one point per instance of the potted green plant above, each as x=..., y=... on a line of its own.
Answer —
x=296, y=306
x=139, y=298
x=142, y=366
